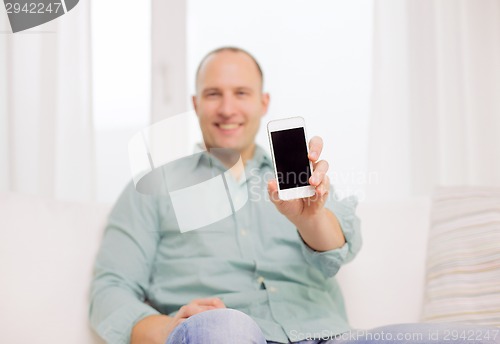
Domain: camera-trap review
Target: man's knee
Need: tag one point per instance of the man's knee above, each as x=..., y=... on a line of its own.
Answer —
x=224, y=317
x=218, y=326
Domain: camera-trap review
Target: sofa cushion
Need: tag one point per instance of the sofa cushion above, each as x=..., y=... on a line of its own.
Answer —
x=47, y=251
x=389, y=270
x=463, y=260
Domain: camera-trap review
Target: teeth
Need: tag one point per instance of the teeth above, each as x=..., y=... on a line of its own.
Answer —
x=228, y=126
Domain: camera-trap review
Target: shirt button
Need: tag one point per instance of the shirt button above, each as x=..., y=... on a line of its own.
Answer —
x=273, y=289
x=243, y=232
x=260, y=279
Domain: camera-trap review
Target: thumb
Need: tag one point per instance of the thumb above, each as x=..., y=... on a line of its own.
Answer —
x=272, y=189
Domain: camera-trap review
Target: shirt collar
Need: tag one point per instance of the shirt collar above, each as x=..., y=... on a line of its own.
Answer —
x=201, y=156
x=260, y=158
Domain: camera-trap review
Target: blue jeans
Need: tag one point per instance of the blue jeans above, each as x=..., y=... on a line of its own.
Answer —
x=229, y=326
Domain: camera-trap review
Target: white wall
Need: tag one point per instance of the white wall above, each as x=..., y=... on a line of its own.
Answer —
x=316, y=57
x=4, y=143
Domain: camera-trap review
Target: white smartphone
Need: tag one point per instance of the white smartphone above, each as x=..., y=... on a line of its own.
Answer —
x=289, y=149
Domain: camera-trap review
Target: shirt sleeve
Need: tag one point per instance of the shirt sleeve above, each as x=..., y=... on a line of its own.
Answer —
x=329, y=262
x=123, y=267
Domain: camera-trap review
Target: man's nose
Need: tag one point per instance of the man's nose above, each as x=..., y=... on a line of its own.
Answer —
x=227, y=106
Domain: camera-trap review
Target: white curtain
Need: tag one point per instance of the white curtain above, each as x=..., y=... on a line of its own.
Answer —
x=46, y=120
x=436, y=96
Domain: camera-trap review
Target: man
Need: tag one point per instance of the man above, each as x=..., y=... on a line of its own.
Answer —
x=266, y=273
x=291, y=256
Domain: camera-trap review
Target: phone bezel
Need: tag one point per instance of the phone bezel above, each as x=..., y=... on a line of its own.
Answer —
x=284, y=124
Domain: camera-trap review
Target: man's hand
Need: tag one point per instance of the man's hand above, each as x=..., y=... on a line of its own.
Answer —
x=156, y=329
x=193, y=308
x=317, y=225
x=310, y=206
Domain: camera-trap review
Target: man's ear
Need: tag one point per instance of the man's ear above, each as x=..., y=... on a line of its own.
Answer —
x=266, y=98
x=195, y=105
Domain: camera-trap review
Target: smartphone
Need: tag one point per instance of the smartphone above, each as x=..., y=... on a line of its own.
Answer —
x=289, y=150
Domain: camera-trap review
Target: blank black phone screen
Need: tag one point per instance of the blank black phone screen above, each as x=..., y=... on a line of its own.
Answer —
x=290, y=157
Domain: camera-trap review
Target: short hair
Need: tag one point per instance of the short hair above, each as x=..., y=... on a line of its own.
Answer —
x=234, y=50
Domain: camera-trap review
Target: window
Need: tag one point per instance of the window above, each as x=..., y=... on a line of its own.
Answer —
x=316, y=57
x=121, y=63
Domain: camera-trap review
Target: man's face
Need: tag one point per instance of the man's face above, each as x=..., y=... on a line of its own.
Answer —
x=229, y=102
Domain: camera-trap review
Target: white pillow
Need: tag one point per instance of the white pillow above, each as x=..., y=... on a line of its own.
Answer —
x=463, y=258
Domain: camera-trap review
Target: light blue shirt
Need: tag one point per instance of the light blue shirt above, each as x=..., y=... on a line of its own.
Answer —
x=254, y=259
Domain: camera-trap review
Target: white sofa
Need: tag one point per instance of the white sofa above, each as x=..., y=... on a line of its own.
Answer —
x=47, y=249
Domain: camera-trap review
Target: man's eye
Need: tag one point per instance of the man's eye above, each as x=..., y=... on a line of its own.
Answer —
x=242, y=93
x=212, y=94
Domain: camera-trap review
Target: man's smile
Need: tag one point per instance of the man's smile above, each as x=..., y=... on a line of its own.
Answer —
x=228, y=127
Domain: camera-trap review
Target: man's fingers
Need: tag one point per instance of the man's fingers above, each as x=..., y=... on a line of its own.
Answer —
x=209, y=301
x=192, y=309
x=323, y=188
x=200, y=305
x=319, y=173
x=217, y=303
x=315, y=148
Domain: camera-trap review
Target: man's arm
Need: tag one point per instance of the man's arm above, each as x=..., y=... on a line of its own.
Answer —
x=319, y=229
x=118, y=311
x=321, y=232
x=123, y=266
x=332, y=230
x=153, y=329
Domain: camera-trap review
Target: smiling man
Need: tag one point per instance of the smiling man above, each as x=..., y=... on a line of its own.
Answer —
x=229, y=101
x=266, y=273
